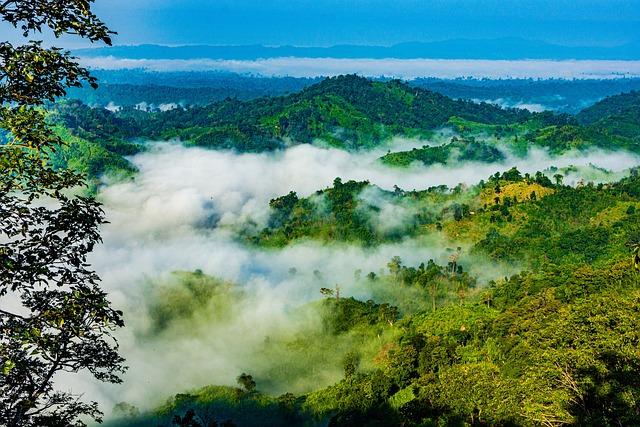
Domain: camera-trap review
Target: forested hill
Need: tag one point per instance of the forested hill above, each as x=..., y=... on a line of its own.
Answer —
x=348, y=112
x=616, y=115
x=345, y=111
x=157, y=90
x=131, y=87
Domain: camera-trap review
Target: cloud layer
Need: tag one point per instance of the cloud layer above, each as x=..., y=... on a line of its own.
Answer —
x=399, y=68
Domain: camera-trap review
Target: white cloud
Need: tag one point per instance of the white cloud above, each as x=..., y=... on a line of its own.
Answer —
x=111, y=106
x=168, y=106
x=506, y=103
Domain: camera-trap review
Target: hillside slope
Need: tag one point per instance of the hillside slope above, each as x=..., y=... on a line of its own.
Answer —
x=345, y=111
x=616, y=115
x=352, y=113
x=555, y=344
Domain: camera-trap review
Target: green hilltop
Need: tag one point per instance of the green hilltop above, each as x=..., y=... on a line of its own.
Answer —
x=347, y=112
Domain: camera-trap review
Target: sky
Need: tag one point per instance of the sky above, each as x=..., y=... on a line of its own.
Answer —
x=369, y=22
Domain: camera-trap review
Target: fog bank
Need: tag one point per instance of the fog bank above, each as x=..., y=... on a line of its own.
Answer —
x=397, y=68
x=181, y=212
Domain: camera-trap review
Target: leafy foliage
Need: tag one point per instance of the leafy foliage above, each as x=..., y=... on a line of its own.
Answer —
x=617, y=116
x=346, y=111
x=332, y=214
x=57, y=319
x=457, y=150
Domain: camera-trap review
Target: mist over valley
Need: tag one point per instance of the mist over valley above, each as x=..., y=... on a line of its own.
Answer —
x=290, y=214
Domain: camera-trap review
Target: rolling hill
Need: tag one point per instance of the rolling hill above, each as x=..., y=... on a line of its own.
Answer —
x=353, y=113
x=348, y=111
x=616, y=115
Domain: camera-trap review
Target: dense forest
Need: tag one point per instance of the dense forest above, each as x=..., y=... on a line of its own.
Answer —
x=550, y=339
x=214, y=249
x=126, y=88
x=553, y=344
x=346, y=112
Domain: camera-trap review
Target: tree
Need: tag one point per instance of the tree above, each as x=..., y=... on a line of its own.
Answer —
x=126, y=410
x=188, y=420
x=457, y=212
x=395, y=265
x=351, y=363
x=327, y=292
x=55, y=317
x=558, y=177
x=191, y=419
x=434, y=285
x=635, y=254
x=389, y=313
x=247, y=382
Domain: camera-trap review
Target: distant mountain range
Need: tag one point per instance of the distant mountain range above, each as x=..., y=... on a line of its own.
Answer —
x=495, y=49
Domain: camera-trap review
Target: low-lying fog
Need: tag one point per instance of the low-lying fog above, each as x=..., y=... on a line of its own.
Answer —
x=163, y=221
x=398, y=68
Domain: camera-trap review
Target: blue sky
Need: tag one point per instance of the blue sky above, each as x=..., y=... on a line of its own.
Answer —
x=329, y=22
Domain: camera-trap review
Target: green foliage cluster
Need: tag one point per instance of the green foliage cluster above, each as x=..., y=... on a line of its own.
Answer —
x=559, y=139
x=341, y=315
x=225, y=406
x=346, y=111
x=555, y=344
x=93, y=159
x=609, y=124
x=188, y=295
x=585, y=225
x=332, y=214
x=342, y=213
x=459, y=149
x=95, y=142
x=618, y=114
x=488, y=143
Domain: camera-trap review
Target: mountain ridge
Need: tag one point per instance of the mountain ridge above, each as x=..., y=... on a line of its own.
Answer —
x=489, y=49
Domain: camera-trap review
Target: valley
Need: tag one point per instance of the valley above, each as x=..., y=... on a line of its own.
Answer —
x=360, y=262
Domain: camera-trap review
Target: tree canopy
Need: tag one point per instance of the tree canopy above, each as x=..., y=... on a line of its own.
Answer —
x=54, y=317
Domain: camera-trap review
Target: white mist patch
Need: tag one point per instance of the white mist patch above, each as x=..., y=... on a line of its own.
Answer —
x=111, y=106
x=507, y=103
x=239, y=186
x=179, y=213
x=398, y=68
x=148, y=108
x=391, y=216
x=168, y=106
